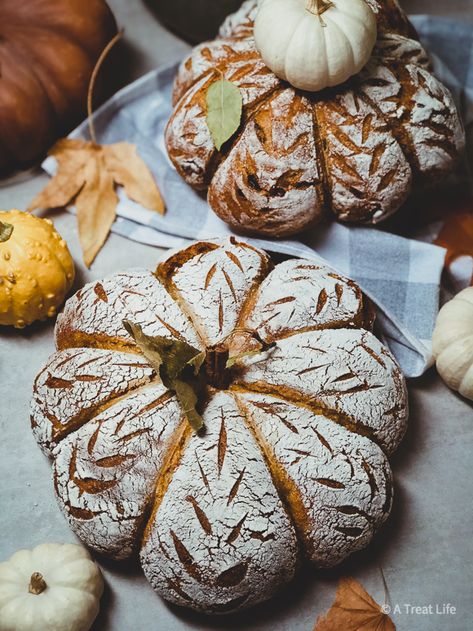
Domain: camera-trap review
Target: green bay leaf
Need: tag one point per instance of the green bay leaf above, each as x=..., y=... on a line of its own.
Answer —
x=224, y=108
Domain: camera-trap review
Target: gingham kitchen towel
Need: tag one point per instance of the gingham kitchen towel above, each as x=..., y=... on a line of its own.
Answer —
x=401, y=275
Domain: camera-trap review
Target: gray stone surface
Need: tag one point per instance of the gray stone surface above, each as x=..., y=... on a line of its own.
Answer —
x=426, y=549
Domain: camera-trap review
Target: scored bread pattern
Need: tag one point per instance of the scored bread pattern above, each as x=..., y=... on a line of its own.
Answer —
x=246, y=70
x=355, y=151
x=95, y=314
x=301, y=296
x=233, y=532
x=76, y=382
x=347, y=371
x=292, y=460
x=105, y=472
x=272, y=159
x=340, y=482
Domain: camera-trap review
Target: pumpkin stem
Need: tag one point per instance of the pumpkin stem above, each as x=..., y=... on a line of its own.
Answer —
x=93, y=79
x=216, y=367
x=6, y=231
x=318, y=7
x=37, y=584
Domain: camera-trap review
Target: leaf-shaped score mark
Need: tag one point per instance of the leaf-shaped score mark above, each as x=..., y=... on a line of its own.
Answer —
x=179, y=366
x=353, y=610
x=224, y=108
x=87, y=175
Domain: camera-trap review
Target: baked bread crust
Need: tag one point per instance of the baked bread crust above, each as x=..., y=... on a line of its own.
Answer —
x=293, y=461
x=354, y=152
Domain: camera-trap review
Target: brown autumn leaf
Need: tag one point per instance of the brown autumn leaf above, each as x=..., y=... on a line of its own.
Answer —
x=353, y=610
x=87, y=175
x=457, y=236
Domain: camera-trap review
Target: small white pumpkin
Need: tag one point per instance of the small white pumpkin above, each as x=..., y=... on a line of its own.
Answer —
x=453, y=343
x=315, y=44
x=54, y=587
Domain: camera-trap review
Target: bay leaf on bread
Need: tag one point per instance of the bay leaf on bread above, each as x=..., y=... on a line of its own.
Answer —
x=178, y=364
x=224, y=109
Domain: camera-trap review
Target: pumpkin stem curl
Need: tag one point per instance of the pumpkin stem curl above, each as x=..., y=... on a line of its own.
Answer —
x=37, y=584
x=6, y=231
x=318, y=7
x=93, y=79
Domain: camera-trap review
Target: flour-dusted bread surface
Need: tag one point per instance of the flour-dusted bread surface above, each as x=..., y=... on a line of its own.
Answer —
x=78, y=382
x=272, y=159
x=299, y=418
x=338, y=484
x=354, y=152
x=94, y=315
x=346, y=371
x=105, y=472
x=233, y=534
x=214, y=282
x=300, y=296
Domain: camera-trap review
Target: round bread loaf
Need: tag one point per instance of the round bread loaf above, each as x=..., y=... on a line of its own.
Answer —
x=292, y=461
x=353, y=152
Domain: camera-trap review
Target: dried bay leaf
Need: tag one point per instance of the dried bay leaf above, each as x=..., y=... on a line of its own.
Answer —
x=224, y=109
x=188, y=400
x=354, y=609
x=87, y=175
x=178, y=364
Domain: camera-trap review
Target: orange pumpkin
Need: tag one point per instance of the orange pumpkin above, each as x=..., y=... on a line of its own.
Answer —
x=48, y=50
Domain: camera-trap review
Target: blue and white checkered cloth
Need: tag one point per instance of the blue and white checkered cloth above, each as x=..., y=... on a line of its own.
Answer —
x=401, y=274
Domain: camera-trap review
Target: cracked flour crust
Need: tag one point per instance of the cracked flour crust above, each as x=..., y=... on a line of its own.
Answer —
x=233, y=534
x=341, y=480
x=291, y=464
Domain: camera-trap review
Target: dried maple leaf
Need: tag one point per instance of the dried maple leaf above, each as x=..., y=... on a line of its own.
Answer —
x=353, y=610
x=87, y=174
x=457, y=236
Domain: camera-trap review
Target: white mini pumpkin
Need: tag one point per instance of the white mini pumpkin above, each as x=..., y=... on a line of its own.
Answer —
x=315, y=44
x=453, y=343
x=54, y=587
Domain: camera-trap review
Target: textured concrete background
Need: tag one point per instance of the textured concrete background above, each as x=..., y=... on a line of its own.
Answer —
x=425, y=551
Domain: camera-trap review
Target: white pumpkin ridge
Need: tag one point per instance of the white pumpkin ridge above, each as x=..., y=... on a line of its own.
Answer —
x=452, y=343
x=315, y=44
x=53, y=587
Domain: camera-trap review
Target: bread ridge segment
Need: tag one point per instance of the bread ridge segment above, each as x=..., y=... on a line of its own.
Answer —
x=220, y=538
x=105, y=472
x=61, y=401
x=94, y=315
x=213, y=283
x=190, y=104
x=353, y=379
x=337, y=487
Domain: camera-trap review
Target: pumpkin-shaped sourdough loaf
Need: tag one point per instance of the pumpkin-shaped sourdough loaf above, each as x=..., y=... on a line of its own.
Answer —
x=299, y=417
x=353, y=151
